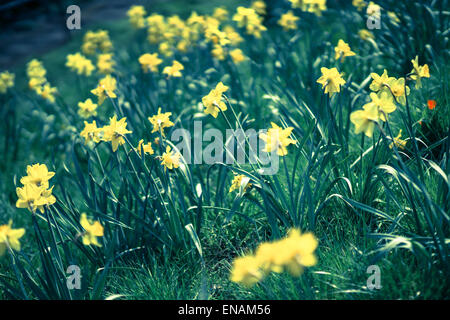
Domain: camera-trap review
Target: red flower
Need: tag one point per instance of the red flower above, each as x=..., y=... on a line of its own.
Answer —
x=431, y=104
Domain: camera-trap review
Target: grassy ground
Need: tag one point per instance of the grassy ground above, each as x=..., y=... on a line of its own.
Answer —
x=173, y=234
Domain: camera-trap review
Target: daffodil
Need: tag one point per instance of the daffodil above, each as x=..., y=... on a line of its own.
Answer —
x=418, y=72
x=92, y=230
x=9, y=237
x=136, y=15
x=259, y=6
x=218, y=52
x=297, y=252
x=35, y=69
x=313, y=6
x=366, y=35
x=79, y=63
x=38, y=175
x=147, y=148
x=94, y=41
x=160, y=121
x=383, y=101
x=105, y=63
x=32, y=197
x=380, y=82
x=239, y=181
x=237, y=55
x=398, y=89
x=90, y=132
x=364, y=120
x=105, y=88
x=170, y=159
x=277, y=139
x=213, y=100
x=293, y=253
x=166, y=49
x=6, y=81
x=246, y=270
x=288, y=21
x=249, y=18
x=359, y=4
x=220, y=14
x=87, y=108
x=115, y=132
x=174, y=69
x=399, y=143
x=343, y=50
x=47, y=92
x=331, y=80
x=232, y=35
x=149, y=62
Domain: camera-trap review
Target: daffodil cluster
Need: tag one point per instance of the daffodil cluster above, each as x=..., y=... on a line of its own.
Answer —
x=36, y=193
x=313, y=6
x=6, y=81
x=249, y=19
x=80, y=64
x=38, y=82
x=292, y=254
x=387, y=92
x=136, y=15
x=171, y=34
x=114, y=132
x=95, y=42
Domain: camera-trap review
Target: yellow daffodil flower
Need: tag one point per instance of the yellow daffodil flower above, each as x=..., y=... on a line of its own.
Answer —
x=115, y=132
x=213, y=101
x=277, y=139
x=399, y=143
x=105, y=88
x=147, y=148
x=9, y=237
x=288, y=21
x=364, y=120
x=105, y=64
x=136, y=15
x=150, y=62
x=90, y=132
x=331, y=80
x=239, y=181
x=6, y=81
x=87, y=108
x=343, y=50
x=170, y=159
x=160, y=121
x=174, y=70
x=93, y=230
x=38, y=175
x=419, y=72
x=383, y=101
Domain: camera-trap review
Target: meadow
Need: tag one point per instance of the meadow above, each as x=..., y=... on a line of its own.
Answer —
x=350, y=99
